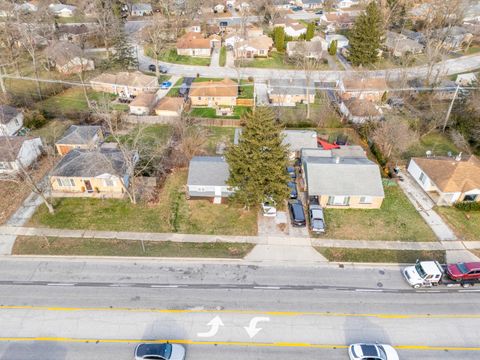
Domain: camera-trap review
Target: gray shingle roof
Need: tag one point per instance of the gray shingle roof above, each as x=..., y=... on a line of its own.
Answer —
x=7, y=113
x=79, y=135
x=208, y=171
x=10, y=147
x=87, y=163
x=350, y=177
x=289, y=87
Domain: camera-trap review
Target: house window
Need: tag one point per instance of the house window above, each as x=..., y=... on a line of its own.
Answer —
x=108, y=182
x=365, y=200
x=472, y=197
x=199, y=98
x=423, y=178
x=65, y=182
x=338, y=200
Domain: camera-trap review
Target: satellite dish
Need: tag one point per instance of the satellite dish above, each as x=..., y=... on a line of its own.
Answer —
x=429, y=153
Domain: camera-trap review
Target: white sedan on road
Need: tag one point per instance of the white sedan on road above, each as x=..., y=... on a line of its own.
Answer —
x=372, y=352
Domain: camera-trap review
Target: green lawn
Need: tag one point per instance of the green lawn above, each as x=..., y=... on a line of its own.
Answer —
x=396, y=220
x=172, y=213
x=436, y=142
x=172, y=57
x=36, y=245
x=223, y=56
x=380, y=256
x=173, y=92
x=466, y=224
x=275, y=61
x=207, y=112
x=73, y=100
x=246, y=90
x=52, y=131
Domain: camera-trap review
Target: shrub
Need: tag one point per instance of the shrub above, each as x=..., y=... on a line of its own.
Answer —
x=34, y=119
x=468, y=206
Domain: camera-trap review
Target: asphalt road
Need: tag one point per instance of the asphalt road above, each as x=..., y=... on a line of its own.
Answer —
x=79, y=309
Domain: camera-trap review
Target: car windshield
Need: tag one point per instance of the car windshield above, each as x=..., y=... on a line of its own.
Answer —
x=463, y=268
x=154, y=351
x=420, y=270
x=383, y=354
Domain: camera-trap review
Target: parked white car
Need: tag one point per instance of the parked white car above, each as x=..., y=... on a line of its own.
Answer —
x=372, y=352
x=269, y=208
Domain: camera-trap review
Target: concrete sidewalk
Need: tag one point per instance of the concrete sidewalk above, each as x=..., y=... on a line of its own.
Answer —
x=258, y=240
x=424, y=205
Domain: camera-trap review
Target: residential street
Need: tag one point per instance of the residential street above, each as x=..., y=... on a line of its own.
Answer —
x=329, y=307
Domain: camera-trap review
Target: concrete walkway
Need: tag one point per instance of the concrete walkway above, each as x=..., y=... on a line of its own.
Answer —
x=424, y=205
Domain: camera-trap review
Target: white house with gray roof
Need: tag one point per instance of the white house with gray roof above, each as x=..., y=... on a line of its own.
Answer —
x=207, y=178
x=11, y=120
x=343, y=182
x=289, y=92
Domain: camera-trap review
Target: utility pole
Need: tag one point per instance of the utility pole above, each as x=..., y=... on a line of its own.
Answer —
x=450, y=107
x=2, y=83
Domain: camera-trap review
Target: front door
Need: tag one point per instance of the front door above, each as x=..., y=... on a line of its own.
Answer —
x=88, y=185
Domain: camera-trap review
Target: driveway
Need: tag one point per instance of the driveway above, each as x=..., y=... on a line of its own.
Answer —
x=230, y=59
x=215, y=59
x=261, y=92
x=161, y=93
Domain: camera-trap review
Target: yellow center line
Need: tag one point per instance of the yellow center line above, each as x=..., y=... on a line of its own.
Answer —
x=242, y=312
x=229, y=343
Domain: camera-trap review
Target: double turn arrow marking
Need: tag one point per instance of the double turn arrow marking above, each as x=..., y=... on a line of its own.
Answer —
x=216, y=322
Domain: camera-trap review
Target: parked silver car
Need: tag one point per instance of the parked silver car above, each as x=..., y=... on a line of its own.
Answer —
x=317, y=219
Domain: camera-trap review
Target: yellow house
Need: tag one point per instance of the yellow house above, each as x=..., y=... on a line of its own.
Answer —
x=338, y=181
x=90, y=173
x=80, y=137
x=214, y=93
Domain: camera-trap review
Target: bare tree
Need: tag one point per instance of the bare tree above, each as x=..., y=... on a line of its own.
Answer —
x=393, y=137
x=23, y=174
x=107, y=22
x=189, y=138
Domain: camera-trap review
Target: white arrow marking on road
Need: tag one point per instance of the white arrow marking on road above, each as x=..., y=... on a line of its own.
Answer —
x=214, y=324
x=252, y=329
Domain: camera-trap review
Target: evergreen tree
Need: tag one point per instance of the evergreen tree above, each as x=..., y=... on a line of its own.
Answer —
x=366, y=36
x=310, y=31
x=279, y=38
x=332, y=49
x=125, y=55
x=257, y=163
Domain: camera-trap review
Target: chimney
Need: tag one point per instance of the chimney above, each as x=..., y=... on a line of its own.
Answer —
x=337, y=159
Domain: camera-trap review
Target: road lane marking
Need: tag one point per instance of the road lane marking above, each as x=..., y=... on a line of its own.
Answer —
x=229, y=343
x=60, y=284
x=242, y=312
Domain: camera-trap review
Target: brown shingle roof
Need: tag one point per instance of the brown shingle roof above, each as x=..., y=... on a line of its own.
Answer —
x=170, y=103
x=135, y=78
x=362, y=108
x=225, y=87
x=260, y=42
x=450, y=175
x=192, y=40
x=145, y=100
x=365, y=84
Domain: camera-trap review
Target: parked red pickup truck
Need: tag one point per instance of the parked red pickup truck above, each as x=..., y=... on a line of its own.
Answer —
x=464, y=271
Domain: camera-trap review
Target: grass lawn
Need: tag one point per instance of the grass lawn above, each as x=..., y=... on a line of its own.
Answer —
x=320, y=115
x=36, y=245
x=247, y=89
x=217, y=134
x=52, y=131
x=172, y=213
x=466, y=224
x=436, y=142
x=275, y=61
x=396, y=220
x=73, y=100
x=223, y=56
x=172, y=57
x=207, y=112
x=380, y=256
x=173, y=92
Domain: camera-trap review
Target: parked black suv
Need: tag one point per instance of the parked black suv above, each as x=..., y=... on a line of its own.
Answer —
x=297, y=213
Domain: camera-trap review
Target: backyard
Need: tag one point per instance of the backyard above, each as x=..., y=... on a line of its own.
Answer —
x=436, y=142
x=465, y=224
x=396, y=220
x=36, y=245
x=171, y=213
x=208, y=112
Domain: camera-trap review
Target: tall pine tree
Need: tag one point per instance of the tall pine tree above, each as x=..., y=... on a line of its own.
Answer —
x=279, y=38
x=257, y=163
x=125, y=55
x=366, y=36
x=310, y=31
